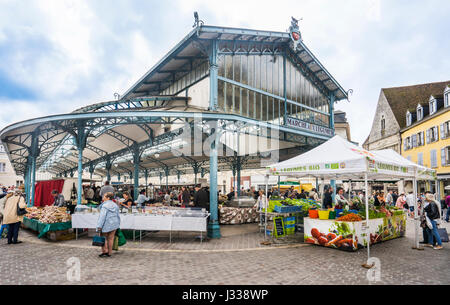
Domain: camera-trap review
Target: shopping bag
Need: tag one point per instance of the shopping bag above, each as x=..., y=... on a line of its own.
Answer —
x=122, y=239
x=115, y=246
x=443, y=234
x=98, y=241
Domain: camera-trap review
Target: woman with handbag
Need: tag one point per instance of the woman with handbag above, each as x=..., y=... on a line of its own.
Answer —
x=13, y=216
x=108, y=223
x=432, y=214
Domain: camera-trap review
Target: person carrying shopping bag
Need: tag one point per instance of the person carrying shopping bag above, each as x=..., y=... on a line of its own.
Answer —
x=108, y=222
x=13, y=215
x=432, y=215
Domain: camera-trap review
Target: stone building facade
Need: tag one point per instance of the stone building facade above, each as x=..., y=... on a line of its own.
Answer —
x=385, y=132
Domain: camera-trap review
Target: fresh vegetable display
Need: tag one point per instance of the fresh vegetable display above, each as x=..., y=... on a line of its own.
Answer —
x=350, y=217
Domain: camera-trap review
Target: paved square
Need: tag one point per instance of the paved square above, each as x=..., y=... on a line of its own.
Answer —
x=235, y=259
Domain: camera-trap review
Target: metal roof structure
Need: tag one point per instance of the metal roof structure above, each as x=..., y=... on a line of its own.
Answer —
x=171, y=121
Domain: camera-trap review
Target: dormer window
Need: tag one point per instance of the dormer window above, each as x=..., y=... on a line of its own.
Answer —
x=447, y=97
x=419, y=112
x=408, y=118
x=433, y=105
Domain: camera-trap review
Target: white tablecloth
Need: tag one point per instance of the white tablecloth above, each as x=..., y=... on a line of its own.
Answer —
x=145, y=223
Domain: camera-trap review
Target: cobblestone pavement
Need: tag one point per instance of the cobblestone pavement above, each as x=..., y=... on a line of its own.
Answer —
x=158, y=262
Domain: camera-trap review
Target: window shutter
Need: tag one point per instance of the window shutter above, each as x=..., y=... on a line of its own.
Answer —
x=443, y=156
x=433, y=159
x=443, y=135
x=404, y=145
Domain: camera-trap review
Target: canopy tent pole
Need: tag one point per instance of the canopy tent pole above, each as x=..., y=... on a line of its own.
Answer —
x=416, y=216
x=366, y=186
x=350, y=190
x=267, y=206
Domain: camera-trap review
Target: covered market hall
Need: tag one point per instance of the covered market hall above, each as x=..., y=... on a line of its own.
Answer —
x=222, y=99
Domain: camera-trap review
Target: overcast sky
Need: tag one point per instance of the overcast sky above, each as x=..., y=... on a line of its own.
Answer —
x=58, y=55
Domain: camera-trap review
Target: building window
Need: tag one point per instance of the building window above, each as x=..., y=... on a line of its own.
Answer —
x=2, y=167
x=420, y=140
x=447, y=98
x=414, y=140
x=433, y=158
x=433, y=106
x=419, y=113
x=409, y=158
x=445, y=130
x=383, y=125
x=420, y=159
x=408, y=118
x=445, y=156
x=432, y=135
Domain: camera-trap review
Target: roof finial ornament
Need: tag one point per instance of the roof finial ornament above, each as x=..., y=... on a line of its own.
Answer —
x=117, y=96
x=294, y=32
x=197, y=22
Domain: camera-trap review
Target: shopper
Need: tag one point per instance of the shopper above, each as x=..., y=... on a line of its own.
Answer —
x=106, y=189
x=432, y=213
x=108, y=222
x=201, y=198
x=327, y=199
x=389, y=198
x=313, y=195
x=185, y=197
x=11, y=218
x=2, y=210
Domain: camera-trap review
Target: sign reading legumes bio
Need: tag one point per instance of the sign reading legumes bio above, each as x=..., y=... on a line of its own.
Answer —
x=296, y=123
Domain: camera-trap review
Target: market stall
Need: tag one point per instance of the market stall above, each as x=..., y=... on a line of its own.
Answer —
x=151, y=218
x=338, y=158
x=48, y=219
x=238, y=211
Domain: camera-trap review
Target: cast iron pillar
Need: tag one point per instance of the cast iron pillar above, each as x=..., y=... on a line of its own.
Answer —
x=81, y=145
x=213, y=226
x=34, y=152
x=146, y=181
x=166, y=171
x=108, y=167
x=91, y=169
x=238, y=170
x=196, y=167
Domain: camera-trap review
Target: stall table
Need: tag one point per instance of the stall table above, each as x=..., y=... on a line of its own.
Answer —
x=43, y=228
x=142, y=222
x=351, y=236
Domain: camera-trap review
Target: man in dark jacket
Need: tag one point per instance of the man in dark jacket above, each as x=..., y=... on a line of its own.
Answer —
x=327, y=199
x=201, y=198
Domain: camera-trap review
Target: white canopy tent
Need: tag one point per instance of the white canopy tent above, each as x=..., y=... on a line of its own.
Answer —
x=338, y=158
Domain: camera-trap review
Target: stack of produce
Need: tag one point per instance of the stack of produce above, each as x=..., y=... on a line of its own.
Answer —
x=48, y=214
x=230, y=215
x=350, y=218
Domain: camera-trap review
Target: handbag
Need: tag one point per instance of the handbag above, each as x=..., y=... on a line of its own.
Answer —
x=115, y=246
x=20, y=212
x=98, y=241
